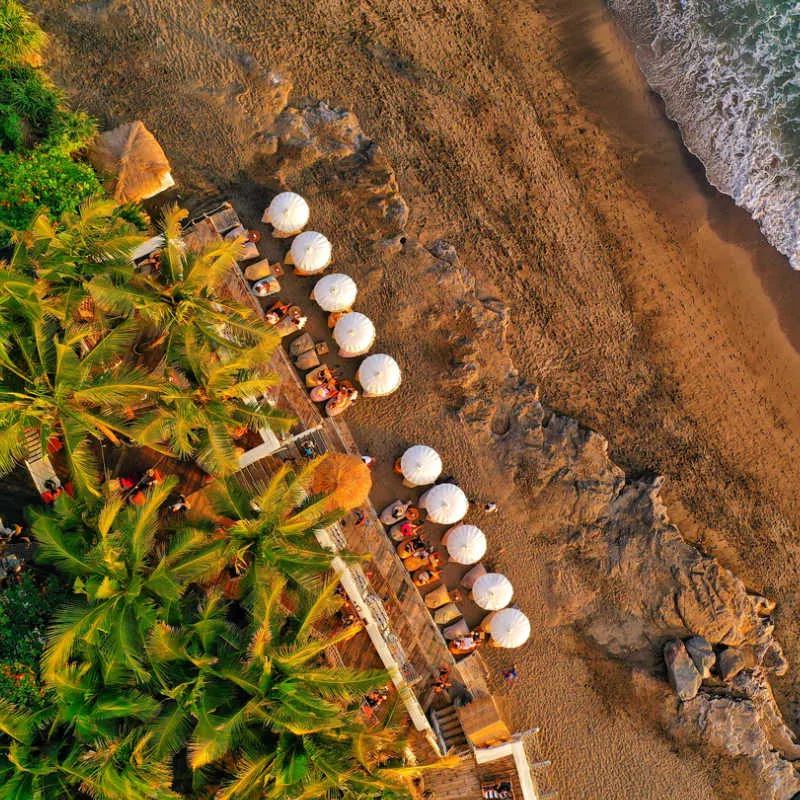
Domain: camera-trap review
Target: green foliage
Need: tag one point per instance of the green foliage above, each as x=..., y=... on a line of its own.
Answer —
x=26, y=608
x=27, y=94
x=21, y=39
x=38, y=134
x=172, y=675
x=41, y=179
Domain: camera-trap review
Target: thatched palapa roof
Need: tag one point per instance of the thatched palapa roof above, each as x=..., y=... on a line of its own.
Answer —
x=133, y=156
x=346, y=480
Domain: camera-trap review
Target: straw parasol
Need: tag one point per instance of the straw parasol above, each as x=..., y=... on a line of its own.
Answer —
x=509, y=628
x=378, y=375
x=492, y=591
x=346, y=480
x=287, y=213
x=355, y=334
x=445, y=503
x=335, y=292
x=466, y=544
x=420, y=465
x=131, y=154
x=310, y=253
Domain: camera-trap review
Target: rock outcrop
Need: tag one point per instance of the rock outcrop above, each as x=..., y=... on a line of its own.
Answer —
x=683, y=675
x=621, y=572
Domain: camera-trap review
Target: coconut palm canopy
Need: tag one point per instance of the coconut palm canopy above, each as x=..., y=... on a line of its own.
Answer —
x=492, y=591
x=466, y=544
x=310, y=253
x=421, y=465
x=379, y=375
x=288, y=213
x=354, y=333
x=345, y=479
x=335, y=292
x=510, y=628
x=132, y=155
x=445, y=504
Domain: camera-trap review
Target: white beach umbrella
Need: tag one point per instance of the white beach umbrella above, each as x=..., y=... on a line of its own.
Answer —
x=466, y=544
x=445, y=503
x=492, y=591
x=354, y=333
x=421, y=465
x=510, y=628
x=287, y=213
x=311, y=253
x=378, y=375
x=335, y=292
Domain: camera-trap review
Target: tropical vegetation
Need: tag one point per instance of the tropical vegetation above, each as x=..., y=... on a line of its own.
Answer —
x=149, y=654
x=39, y=135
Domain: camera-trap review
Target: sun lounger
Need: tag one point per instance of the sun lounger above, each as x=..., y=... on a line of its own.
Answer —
x=224, y=219
x=446, y=614
x=456, y=630
x=470, y=577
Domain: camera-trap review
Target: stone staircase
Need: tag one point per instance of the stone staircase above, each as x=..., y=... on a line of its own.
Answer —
x=448, y=730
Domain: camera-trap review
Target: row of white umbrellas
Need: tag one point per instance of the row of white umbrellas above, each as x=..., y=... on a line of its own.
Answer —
x=379, y=374
x=310, y=252
x=447, y=504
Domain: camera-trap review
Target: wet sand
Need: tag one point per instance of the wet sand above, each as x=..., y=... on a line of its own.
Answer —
x=642, y=302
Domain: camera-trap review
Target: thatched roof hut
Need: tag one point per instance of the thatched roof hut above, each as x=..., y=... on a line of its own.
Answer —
x=346, y=480
x=131, y=154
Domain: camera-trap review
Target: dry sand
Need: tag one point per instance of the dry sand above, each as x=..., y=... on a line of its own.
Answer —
x=643, y=303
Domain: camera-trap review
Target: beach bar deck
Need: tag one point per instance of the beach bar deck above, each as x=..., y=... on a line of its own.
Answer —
x=398, y=630
x=397, y=623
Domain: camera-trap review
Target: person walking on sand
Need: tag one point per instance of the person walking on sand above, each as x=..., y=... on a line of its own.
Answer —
x=490, y=508
x=510, y=676
x=368, y=460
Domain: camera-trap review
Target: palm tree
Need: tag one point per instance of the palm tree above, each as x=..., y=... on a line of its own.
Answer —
x=127, y=580
x=276, y=529
x=181, y=307
x=45, y=755
x=257, y=700
x=64, y=255
x=21, y=39
x=46, y=387
x=200, y=410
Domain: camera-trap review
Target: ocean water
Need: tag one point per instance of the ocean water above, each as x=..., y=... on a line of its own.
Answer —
x=729, y=74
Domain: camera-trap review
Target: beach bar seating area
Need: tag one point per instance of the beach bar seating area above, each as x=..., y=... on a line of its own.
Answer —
x=417, y=621
x=421, y=601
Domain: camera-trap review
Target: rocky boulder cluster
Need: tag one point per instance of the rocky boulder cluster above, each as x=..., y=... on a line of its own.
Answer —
x=689, y=663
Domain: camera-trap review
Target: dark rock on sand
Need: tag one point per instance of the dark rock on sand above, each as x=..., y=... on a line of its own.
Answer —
x=702, y=654
x=681, y=671
x=731, y=662
x=622, y=573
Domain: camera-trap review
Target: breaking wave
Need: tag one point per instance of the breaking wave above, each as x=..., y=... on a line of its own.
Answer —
x=729, y=74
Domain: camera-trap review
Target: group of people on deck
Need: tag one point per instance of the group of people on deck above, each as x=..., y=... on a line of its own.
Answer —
x=286, y=318
x=10, y=564
x=327, y=386
x=423, y=561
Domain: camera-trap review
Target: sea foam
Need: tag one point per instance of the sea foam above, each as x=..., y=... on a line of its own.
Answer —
x=729, y=74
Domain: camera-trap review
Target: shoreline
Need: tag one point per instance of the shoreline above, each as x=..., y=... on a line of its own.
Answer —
x=620, y=95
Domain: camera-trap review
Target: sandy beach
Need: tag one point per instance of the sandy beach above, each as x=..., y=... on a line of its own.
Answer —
x=641, y=302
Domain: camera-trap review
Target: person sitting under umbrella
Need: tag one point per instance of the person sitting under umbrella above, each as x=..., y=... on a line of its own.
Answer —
x=413, y=547
x=424, y=557
x=425, y=576
x=466, y=644
x=403, y=530
x=395, y=512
